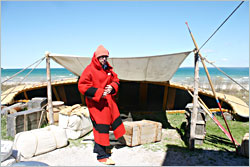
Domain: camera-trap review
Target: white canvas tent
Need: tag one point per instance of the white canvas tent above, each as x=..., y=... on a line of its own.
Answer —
x=151, y=68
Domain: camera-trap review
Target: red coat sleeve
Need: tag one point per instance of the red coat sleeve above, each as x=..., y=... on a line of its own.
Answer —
x=115, y=83
x=85, y=86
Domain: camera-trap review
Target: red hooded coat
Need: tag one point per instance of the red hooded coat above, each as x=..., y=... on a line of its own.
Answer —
x=104, y=112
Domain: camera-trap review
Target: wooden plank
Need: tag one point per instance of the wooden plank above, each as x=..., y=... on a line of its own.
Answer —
x=132, y=134
x=40, y=119
x=195, y=103
x=171, y=98
x=158, y=129
x=175, y=111
x=62, y=93
x=218, y=110
x=143, y=94
x=55, y=93
x=25, y=95
x=49, y=92
x=23, y=121
x=164, y=104
x=82, y=99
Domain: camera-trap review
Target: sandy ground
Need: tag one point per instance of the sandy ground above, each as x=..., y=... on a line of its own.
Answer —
x=164, y=153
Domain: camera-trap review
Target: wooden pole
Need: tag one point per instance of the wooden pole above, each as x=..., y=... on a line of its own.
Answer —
x=205, y=108
x=49, y=92
x=211, y=85
x=195, y=103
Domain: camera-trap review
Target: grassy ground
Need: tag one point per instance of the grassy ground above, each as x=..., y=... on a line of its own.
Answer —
x=4, y=129
x=215, y=138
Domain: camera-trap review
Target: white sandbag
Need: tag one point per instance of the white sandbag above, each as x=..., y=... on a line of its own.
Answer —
x=78, y=126
x=25, y=143
x=63, y=120
x=40, y=141
x=60, y=136
x=74, y=122
x=9, y=161
x=72, y=134
x=86, y=124
x=46, y=140
x=6, y=149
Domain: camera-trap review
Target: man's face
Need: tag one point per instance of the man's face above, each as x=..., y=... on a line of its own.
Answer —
x=103, y=59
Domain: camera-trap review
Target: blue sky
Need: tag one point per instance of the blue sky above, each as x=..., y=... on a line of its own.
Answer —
x=126, y=29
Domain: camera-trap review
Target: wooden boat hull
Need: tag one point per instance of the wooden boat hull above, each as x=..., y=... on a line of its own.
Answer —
x=139, y=98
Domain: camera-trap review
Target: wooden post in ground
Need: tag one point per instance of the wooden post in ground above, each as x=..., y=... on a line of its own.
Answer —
x=49, y=92
x=211, y=85
x=195, y=103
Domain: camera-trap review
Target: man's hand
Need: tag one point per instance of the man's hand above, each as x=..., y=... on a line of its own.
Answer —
x=107, y=90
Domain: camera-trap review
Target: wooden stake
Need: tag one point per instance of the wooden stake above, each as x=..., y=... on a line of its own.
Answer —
x=49, y=93
x=82, y=99
x=164, y=104
x=171, y=98
x=25, y=95
x=195, y=104
x=211, y=84
x=55, y=92
x=143, y=95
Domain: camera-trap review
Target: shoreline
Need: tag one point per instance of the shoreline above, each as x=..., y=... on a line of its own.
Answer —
x=218, y=83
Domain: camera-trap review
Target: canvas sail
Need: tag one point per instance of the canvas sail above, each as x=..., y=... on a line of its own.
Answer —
x=158, y=68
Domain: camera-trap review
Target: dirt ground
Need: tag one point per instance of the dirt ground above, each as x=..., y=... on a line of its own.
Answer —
x=167, y=152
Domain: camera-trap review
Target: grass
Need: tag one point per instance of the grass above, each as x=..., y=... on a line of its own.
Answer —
x=215, y=138
x=4, y=129
x=4, y=134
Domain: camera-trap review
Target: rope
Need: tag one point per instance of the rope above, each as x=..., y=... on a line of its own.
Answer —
x=22, y=70
x=222, y=24
x=23, y=78
x=226, y=74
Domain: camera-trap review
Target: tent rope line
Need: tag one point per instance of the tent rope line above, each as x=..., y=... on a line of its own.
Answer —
x=40, y=60
x=225, y=74
x=221, y=25
x=22, y=70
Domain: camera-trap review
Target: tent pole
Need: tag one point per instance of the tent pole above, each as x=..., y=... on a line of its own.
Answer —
x=211, y=85
x=49, y=92
x=195, y=103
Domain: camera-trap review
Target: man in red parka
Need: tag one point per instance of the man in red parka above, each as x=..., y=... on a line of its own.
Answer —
x=99, y=84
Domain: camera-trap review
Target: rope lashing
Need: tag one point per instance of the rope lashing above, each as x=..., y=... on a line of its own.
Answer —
x=23, y=78
x=22, y=70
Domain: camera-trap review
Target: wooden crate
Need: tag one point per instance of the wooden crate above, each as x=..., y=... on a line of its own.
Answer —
x=23, y=121
x=142, y=132
x=200, y=128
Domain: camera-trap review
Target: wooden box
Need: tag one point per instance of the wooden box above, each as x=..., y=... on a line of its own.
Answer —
x=142, y=132
x=23, y=121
